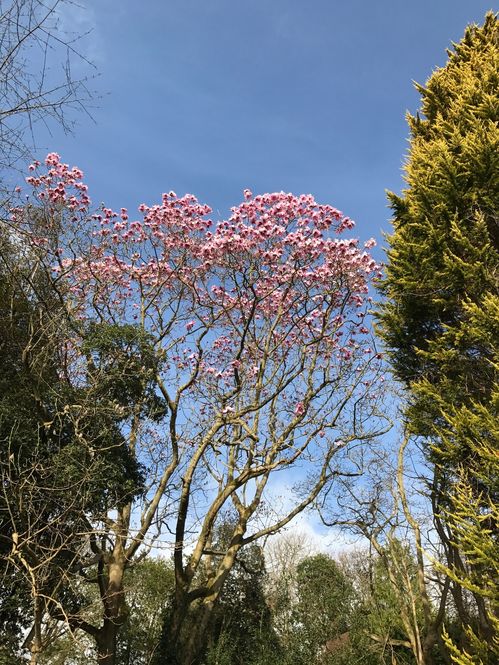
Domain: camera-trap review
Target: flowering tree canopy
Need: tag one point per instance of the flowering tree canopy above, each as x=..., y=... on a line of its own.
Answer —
x=222, y=352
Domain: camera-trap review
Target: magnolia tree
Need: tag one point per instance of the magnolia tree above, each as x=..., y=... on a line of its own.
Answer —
x=221, y=353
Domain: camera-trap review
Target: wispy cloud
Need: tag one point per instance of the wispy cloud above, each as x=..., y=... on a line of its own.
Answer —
x=77, y=21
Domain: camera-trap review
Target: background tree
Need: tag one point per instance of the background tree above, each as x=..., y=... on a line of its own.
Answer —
x=440, y=320
x=149, y=587
x=403, y=613
x=37, y=85
x=283, y=554
x=32, y=500
x=52, y=485
x=325, y=601
x=240, y=629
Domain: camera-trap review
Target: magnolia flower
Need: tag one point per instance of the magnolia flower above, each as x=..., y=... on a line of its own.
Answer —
x=299, y=409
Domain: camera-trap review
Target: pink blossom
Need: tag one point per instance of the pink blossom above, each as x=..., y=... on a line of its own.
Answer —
x=299, y=409
x=277, y=267
x=52, y=159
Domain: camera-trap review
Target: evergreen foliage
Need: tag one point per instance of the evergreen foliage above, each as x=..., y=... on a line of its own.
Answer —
x=324, y=605
x=441, y=318
x=241, y=625
x=56, y=472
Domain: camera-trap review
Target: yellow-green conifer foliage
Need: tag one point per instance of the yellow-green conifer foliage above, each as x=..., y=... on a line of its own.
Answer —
x=440, y=321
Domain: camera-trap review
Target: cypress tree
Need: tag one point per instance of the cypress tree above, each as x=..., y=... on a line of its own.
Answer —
x=440, y=320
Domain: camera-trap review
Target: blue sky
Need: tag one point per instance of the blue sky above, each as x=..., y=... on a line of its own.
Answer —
x=212, y=96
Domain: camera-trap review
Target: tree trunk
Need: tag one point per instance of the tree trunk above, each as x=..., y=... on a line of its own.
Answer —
x=112, y=592
x=197, y=640
x=106, y=643
x=184, y=634
x=169, y=646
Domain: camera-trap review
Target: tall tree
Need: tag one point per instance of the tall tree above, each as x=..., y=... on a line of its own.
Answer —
x=440, y=320
x=214, y=356
x=37, y=87
x=54, y=469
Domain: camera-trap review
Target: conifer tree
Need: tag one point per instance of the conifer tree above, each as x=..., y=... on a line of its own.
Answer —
x=440, y=320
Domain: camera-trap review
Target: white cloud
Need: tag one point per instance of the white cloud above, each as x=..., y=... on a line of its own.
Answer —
x=318, y=538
